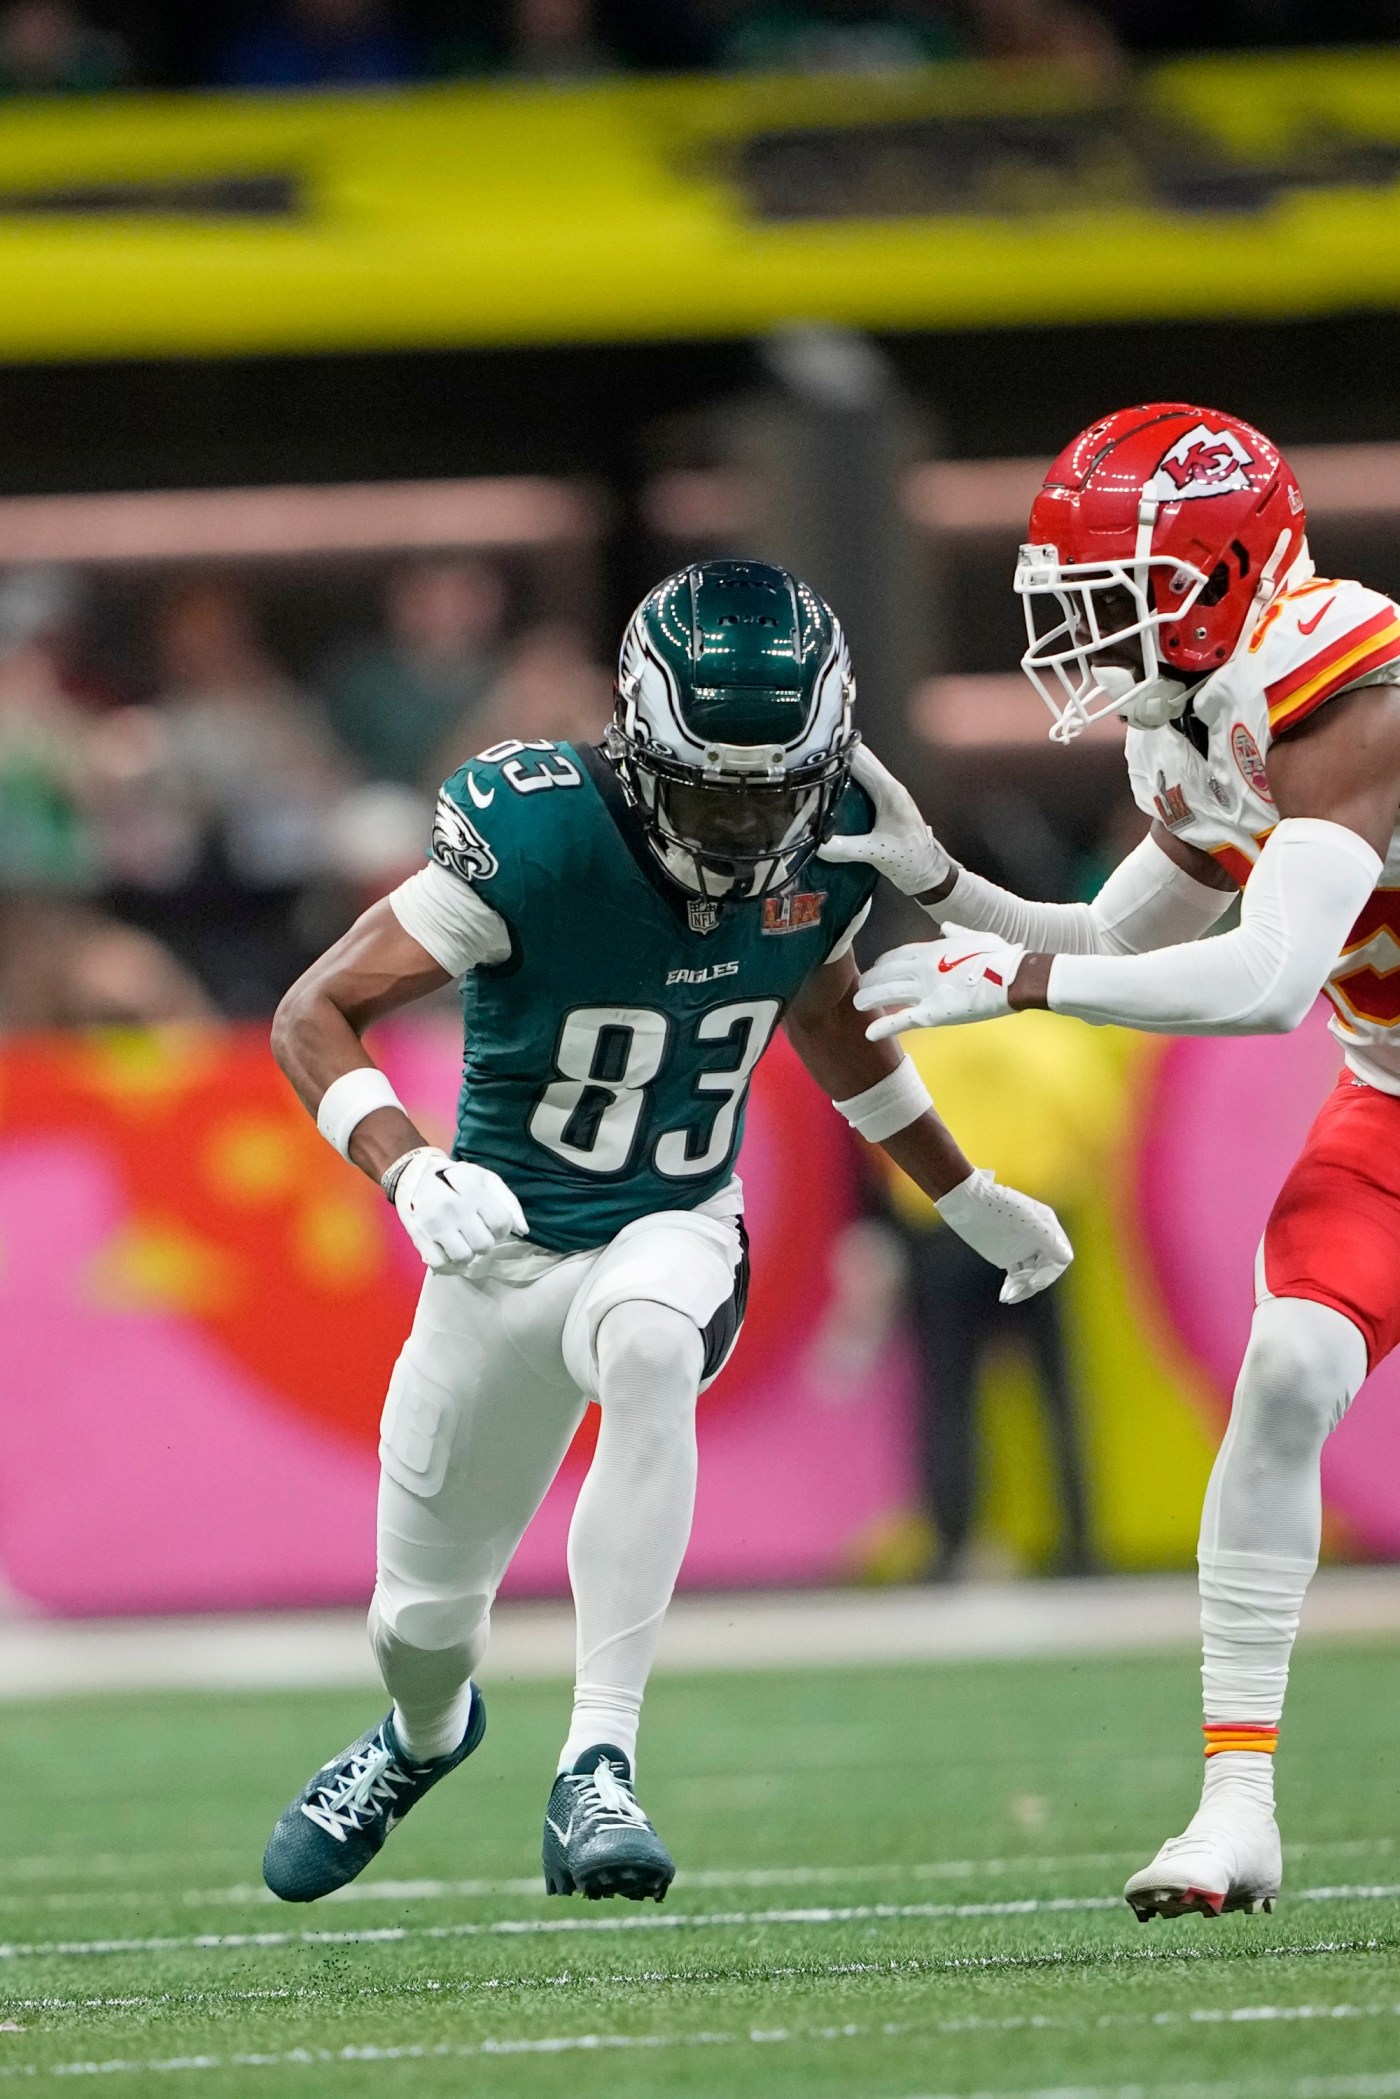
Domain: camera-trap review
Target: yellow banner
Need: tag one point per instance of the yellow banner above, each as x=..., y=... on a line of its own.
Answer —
x=957, y=196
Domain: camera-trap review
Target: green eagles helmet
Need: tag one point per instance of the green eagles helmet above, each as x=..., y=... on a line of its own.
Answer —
x=732, y=729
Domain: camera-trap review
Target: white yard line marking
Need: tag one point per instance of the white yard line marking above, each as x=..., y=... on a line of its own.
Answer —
x=1363, y=2086
x=525, y=1927
x=1380, y=2085
x=249, y=1894
x=245, y=1894
x=715, y=1878
x=1175, y=1954
x=1192, y=2015
x=553, y=2044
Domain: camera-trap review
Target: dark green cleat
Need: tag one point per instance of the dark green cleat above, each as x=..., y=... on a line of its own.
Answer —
x=342, y=1817
x=597, y=1841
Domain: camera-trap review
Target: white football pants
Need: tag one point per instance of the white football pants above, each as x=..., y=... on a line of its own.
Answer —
x=482, y=1406
x=1261, y=1526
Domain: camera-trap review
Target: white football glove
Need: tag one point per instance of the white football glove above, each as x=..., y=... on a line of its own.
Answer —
x=939, y=983
x=454, y=1211
x=901, y=847
x=1010, y=1230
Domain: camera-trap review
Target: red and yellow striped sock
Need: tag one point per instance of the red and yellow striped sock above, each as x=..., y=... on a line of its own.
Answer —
x=1223, y=1735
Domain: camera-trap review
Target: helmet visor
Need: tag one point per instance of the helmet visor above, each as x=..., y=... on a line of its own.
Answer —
x=738, y=824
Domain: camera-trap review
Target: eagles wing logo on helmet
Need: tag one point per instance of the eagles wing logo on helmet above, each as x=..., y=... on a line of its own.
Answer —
x=457, y=844
x=1204, y=462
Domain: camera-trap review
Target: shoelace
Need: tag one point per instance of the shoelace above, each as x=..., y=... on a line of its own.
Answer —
x=366, y=1783
x=614, y=1803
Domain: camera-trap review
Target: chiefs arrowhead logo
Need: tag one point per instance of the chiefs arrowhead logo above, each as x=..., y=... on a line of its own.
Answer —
x=1204, y=462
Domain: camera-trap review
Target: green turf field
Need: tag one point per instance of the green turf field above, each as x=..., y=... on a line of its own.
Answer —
x=893, y=1882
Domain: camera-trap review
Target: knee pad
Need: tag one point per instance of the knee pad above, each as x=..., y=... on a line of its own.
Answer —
x=1302, y=1369
x=649, y=1347
x=430, y=1625
x=682, y=1265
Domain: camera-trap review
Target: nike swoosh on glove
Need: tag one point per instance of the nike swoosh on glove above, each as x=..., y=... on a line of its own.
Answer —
x=1011, y=1230
x=901, y=846
x=939, y=983
x=454, y=1211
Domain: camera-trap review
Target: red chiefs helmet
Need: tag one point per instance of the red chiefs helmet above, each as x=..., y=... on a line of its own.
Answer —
x=1159, y=537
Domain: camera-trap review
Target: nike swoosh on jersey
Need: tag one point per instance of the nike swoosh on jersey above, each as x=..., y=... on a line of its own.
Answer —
x=1307, y=626
x=483, y=801
x=945, y=964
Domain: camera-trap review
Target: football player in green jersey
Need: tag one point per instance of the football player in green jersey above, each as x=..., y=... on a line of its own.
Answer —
x=632, y=924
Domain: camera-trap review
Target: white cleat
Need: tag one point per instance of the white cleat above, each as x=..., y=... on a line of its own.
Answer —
x=1228, y=1857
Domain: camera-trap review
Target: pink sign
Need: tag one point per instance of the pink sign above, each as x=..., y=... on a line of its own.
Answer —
x=200, y=1306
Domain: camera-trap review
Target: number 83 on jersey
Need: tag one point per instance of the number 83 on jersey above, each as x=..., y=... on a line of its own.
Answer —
x=594, y=1114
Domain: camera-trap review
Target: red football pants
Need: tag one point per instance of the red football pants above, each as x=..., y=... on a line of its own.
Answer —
x=1334, y=1233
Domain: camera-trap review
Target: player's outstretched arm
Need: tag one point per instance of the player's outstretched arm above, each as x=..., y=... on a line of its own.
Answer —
x=452, y=1210
x=1162, y=893
x=876, y=1087
x=1336, y=781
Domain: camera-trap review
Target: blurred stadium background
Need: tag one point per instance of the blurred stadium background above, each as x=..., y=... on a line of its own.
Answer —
x=361, y=364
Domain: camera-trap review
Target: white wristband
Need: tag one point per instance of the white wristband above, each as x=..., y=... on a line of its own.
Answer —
x=348, y=1100
x=891, y=1104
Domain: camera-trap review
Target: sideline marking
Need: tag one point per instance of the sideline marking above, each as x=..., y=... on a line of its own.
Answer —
x=530, y=1927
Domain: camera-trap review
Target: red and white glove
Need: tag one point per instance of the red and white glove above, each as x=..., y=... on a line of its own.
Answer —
x=939, y=983
x=1011, y=1230
x=454, y=1211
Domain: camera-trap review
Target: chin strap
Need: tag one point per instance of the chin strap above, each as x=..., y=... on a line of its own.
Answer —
x=1154, y=702
x=1159, y=701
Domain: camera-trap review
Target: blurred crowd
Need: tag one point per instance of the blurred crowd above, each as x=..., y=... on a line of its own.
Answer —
x=186, y=820
x=86, y=46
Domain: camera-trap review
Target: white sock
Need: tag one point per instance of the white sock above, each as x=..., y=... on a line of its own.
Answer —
x=1251, y=1603
x=425, y=1739
x=1262, y=1522
x=430, y=1686
x=632, y=1522
x=602, y=1713
x=1236, y=1774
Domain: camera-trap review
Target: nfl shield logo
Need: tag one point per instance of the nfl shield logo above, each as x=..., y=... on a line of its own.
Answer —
x=702, y=914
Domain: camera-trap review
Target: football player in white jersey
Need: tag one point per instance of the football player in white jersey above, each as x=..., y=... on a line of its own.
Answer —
x=1168, y=580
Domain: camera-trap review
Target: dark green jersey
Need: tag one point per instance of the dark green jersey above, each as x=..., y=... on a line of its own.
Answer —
x=609, y=1058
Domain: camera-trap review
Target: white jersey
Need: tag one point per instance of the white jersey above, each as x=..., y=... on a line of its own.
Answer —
x=1312, y=643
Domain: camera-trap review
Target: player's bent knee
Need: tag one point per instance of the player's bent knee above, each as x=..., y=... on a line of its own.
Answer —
x=649, y=1348
x=1304, y=1364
